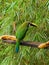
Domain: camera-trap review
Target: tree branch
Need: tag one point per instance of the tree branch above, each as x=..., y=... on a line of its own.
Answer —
x=25, y=43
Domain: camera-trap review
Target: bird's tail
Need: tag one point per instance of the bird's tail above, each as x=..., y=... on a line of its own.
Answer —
x=17, y=46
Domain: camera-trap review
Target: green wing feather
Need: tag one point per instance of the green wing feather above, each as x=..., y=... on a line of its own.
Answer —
x=21, y=31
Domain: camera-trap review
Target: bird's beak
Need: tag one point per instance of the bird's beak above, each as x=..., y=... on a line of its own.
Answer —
x=33, y=24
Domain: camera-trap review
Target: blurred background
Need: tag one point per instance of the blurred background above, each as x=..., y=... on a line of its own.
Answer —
x=12, y=14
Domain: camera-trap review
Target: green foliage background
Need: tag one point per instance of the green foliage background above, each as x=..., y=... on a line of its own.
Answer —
x=19, y=11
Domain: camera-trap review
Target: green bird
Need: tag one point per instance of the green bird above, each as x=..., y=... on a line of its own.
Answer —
x=21, y=31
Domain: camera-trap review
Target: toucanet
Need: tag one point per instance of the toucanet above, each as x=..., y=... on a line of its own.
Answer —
x=21, y=31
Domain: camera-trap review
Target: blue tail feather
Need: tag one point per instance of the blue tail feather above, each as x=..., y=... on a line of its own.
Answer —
x=17, y=49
